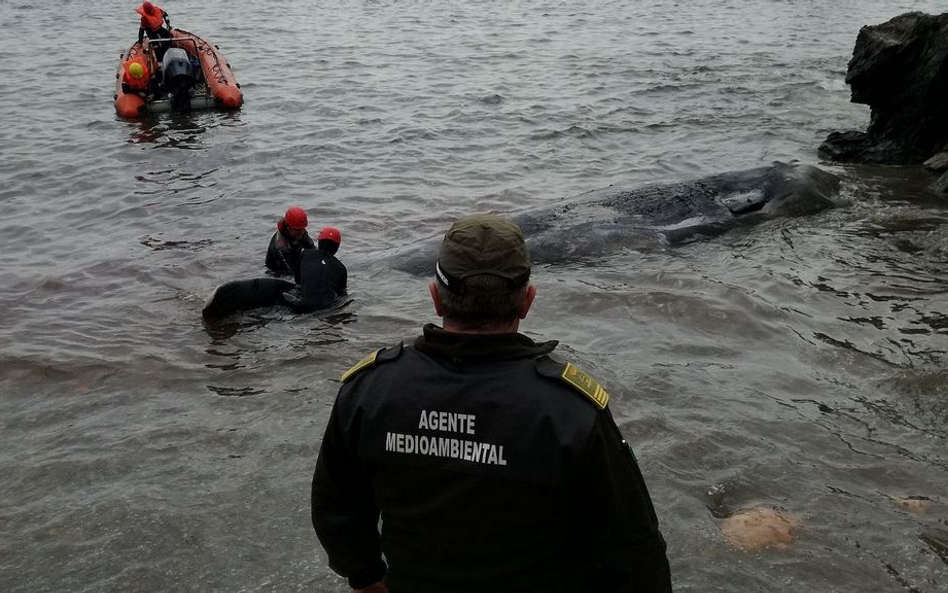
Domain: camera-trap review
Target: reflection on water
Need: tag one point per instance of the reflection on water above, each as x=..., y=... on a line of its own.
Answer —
x=241, y=341
x=317, y=323
x=220, y=330
x=888, y=289
x=923, y=394
x=160, y=245
x=186, y=131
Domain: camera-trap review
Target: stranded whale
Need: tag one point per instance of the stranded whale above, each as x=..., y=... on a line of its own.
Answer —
x=607, y=220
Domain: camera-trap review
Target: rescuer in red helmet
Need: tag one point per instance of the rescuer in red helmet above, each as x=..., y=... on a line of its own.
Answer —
x=288, y=243
x=323, y=278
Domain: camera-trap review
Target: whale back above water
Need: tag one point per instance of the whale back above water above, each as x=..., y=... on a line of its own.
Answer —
x=606, y=220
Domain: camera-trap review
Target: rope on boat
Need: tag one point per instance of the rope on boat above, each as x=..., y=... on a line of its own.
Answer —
x=205, y=48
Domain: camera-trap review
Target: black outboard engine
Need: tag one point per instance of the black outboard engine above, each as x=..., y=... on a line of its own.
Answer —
x=178, y=78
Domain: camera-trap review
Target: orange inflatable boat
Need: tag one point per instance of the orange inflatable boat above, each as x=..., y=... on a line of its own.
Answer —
x=192, y=75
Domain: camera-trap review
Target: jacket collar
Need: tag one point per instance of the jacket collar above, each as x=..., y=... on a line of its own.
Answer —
x=437, y=342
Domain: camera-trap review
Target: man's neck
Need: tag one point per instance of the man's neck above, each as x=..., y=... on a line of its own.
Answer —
x=460, y=328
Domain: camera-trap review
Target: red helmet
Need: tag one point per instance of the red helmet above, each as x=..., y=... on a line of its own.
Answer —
x=330, y=233
x=295, y=218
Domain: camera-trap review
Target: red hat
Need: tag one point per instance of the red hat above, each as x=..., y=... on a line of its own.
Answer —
x=295, y=218
x=330, y=234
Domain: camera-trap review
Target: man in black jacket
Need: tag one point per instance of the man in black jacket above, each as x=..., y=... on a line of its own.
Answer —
x=493, y=466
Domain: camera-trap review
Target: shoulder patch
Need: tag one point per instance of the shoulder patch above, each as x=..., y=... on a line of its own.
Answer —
x=575, y=378
x=585, y=385
x=380, y=355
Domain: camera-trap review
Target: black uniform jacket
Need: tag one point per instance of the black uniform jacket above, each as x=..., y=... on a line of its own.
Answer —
x=490, y=472
x=283, y=255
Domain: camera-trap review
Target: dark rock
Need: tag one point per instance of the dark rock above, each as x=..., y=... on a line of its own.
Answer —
x=938, y=163
x=899, y=69
x=941, y=186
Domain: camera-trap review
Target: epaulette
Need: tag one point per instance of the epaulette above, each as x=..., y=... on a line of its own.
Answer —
x=380, y=355
x=574, y=377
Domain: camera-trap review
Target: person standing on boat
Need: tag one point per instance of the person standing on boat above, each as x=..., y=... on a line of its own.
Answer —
x=322, y=278
x=152, y=24
x=288, y=242
x=493, y=466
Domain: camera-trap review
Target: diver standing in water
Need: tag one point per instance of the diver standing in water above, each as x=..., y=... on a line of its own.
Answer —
x=323, y=278
x=288, y=242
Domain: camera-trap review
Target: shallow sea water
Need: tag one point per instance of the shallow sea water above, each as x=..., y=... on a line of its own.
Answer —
x=799, y=364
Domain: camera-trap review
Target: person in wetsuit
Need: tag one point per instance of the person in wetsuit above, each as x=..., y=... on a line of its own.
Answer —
x=288, y=243
x=493, y=466
x=323, y=278
x=152, y=24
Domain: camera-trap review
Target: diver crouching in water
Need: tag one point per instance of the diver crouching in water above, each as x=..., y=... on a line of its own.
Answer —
x=322, y=277
x=288, y=243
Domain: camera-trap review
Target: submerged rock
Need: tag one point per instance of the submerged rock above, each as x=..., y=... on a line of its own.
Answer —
x=900, y=70
x=759, y=528
x=915, y=504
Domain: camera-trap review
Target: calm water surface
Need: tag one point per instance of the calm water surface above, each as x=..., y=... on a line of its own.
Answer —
x=798, y=365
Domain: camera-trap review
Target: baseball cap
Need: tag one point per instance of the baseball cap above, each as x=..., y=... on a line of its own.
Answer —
x=483, y=244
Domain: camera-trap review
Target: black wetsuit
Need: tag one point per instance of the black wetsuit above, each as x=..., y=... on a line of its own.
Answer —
x=283, y=254
x=490, y=472
x=322, y=280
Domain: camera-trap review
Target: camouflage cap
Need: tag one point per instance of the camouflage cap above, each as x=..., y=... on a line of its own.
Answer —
x=483, y=244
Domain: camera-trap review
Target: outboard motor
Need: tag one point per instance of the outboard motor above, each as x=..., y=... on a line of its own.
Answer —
x=178, y=78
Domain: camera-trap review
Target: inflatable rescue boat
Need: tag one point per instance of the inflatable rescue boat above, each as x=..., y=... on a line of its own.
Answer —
x=192, y=75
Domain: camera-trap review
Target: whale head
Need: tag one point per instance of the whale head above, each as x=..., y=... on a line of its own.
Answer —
x=799, y=190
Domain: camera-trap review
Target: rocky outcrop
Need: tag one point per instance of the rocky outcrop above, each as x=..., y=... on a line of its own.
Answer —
x=941, y=185
x=900, y=70
x=939, y=164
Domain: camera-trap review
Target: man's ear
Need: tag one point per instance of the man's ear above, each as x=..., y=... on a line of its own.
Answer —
x=527, y=300
x=435, y=298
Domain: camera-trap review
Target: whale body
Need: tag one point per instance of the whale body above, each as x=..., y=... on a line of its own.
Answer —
x=241, y=295
x=604, y=221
